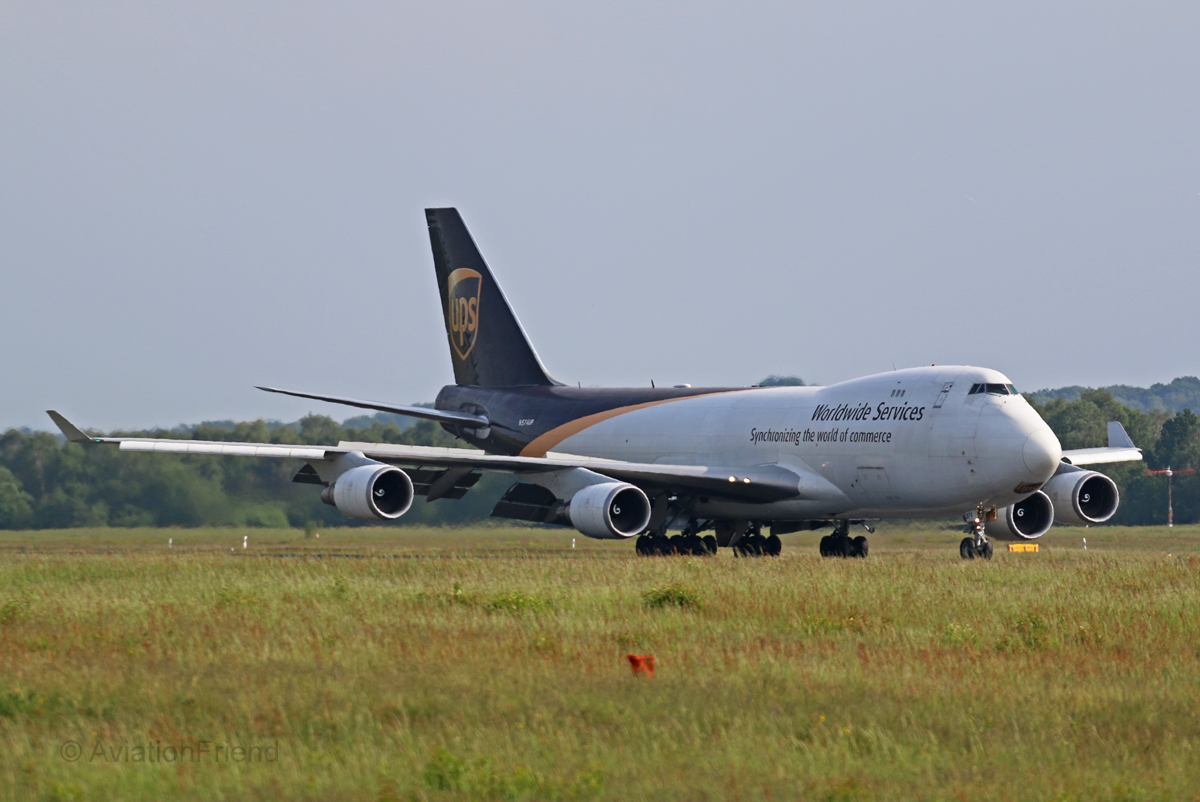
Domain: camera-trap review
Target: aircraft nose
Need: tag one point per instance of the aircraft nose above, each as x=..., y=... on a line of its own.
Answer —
x=1042, y=453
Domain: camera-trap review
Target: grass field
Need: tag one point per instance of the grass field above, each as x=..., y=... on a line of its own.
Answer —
x=406, y=663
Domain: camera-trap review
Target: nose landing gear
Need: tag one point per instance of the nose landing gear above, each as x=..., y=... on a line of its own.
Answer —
x=976, y=543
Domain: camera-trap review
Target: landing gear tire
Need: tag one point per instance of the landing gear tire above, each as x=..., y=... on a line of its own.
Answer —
x=660, y=545
x=966, y=549
x=710, y=543
x=644, y=545
x=840, y=544
x=969, y=549
x=773, y=546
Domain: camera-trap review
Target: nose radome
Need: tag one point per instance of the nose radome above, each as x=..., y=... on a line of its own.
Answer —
x=1042, y=453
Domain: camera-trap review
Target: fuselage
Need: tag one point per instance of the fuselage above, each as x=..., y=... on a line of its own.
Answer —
x=910, y=443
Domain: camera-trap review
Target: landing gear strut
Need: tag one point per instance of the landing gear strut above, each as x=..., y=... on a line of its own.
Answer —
x=840, y=544
x=975, y=544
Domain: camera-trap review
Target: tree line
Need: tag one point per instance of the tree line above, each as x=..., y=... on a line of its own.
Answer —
x=46, y=483
x=1175, y=396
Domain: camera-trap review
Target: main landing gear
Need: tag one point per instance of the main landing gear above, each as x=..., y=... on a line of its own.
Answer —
x=744, y=537
x=975, y=544
x=689, y=541
x=753, y=544
x=840, y=544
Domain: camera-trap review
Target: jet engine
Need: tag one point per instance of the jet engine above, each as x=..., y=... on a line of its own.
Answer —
x=373, y=492
x=1026, y=520
x=1082, y=497
x=609, y=511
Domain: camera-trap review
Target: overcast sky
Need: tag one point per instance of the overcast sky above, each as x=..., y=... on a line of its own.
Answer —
x=200, y=197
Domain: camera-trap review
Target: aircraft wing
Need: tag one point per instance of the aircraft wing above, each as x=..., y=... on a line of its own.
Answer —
x=1120, y=449
x=761, y=483
x=1096, y=456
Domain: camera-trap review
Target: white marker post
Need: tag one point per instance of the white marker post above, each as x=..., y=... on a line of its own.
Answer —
x=245, y=540
x=170, y=543
x=1085, y=544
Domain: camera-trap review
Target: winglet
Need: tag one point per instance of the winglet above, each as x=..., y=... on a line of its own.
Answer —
x=1117, y=437
x=73, y=432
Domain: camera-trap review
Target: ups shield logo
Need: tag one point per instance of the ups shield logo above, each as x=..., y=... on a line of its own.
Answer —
x=462, y=310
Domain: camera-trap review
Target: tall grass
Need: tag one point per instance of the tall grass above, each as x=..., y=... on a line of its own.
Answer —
x=490, y=665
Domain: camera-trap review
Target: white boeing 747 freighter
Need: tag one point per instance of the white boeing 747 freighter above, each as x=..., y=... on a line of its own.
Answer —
x=637, y=463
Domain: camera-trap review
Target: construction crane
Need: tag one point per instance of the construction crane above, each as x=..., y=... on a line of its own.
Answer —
x=1170, y=475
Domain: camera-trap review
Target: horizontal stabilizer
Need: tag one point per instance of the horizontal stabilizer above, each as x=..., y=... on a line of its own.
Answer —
x=441, y=415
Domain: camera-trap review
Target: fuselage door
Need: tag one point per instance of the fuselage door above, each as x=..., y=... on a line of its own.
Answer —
x=872, y=487
x=941, y=399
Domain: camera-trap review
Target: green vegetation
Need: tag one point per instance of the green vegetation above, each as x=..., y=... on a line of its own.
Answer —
x=673, y=595
x=449, y=664
x=781, y=381
x=1176, y=396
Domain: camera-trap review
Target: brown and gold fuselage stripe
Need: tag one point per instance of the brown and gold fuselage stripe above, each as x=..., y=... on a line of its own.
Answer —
x=548, y=440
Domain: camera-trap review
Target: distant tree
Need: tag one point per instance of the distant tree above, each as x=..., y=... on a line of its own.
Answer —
x=16, y=506
x=1179, y=444
x=781, y=381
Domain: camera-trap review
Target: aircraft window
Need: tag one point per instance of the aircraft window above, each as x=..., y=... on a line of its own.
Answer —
x=1012, y=390
x=1000, y=389
x=976, y=389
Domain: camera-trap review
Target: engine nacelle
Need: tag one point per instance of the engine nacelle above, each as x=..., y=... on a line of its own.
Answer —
x=1026, y=520
x=609, y=511
x=1082, y=498
x=375, y=492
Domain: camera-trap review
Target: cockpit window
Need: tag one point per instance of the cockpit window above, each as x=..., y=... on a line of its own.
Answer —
x=993, y=389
